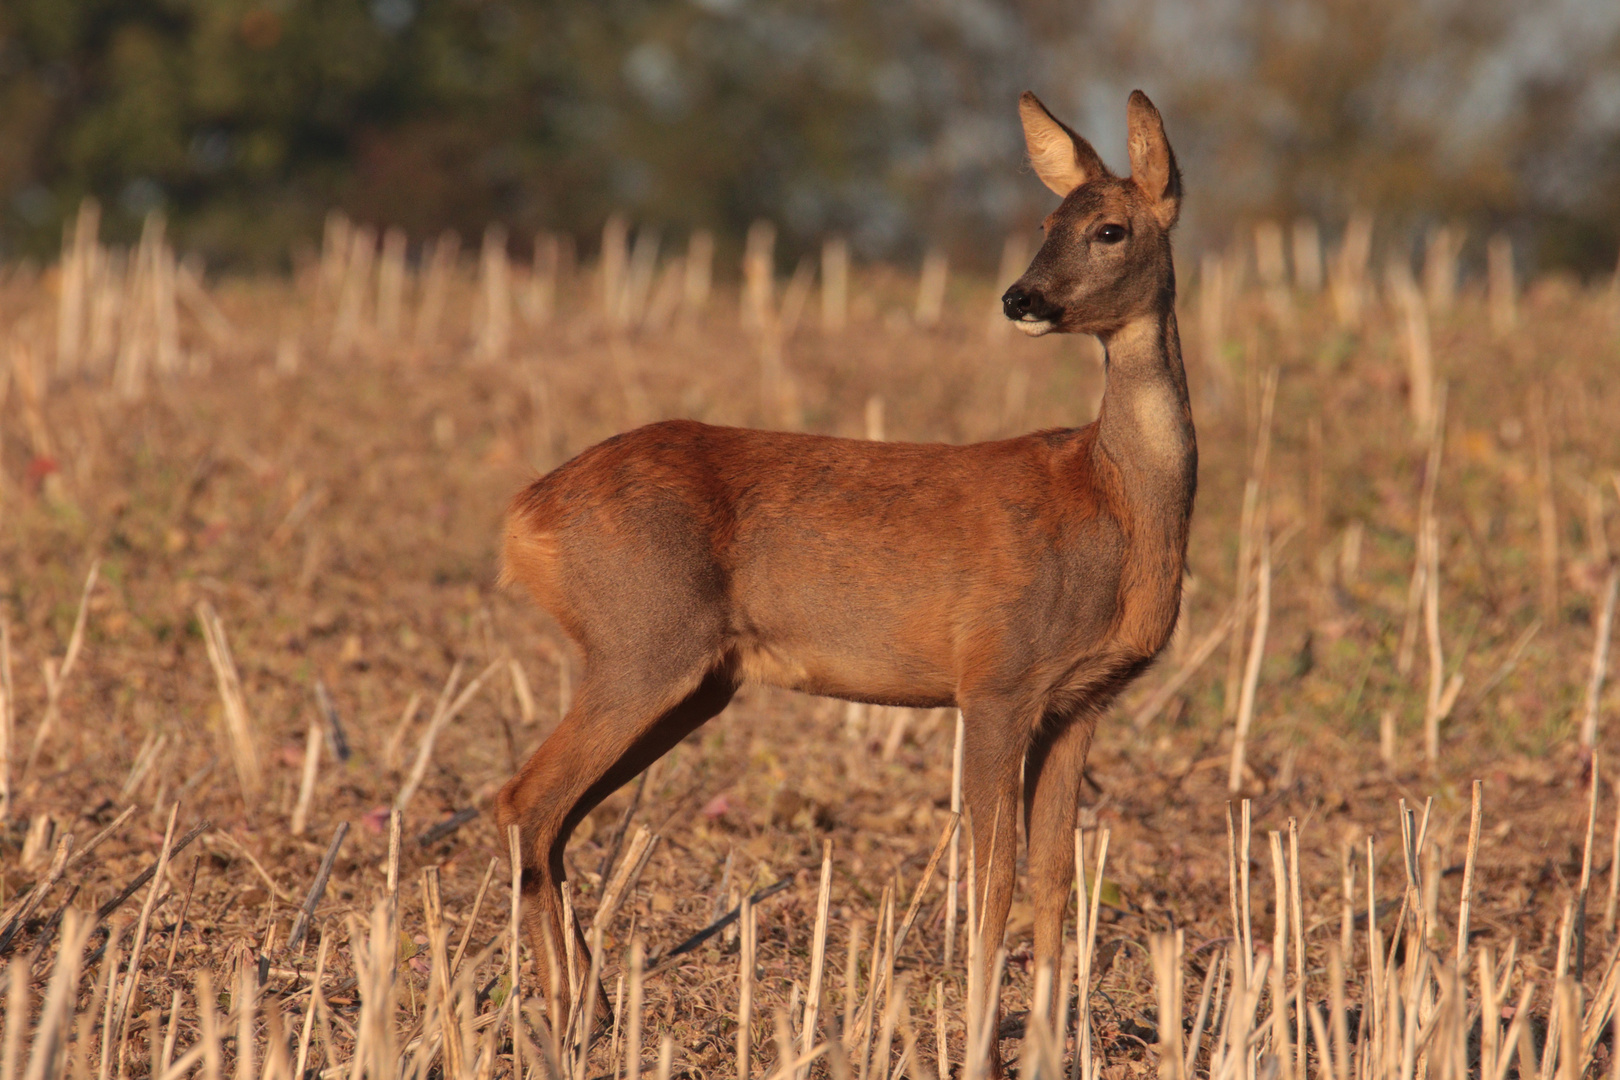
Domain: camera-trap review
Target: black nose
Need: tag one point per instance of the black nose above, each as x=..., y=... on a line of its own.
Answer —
x=1019, y=302
x=1016, y=303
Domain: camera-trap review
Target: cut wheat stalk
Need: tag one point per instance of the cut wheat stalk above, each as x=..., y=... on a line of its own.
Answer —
x=306, y=781
x=1600, y=660
x=8, y=719
x=1296, y=920
x=953, y=869
x=443, y=713
x=1166, y=949
x=883, y=933
x=1251, y=670
x=818, y=950
x=624, y=879
x=1614, y=874
x=1213, y=975
x=56, y=675
x=1586, y=871
x=913, y=909
x=396, y=830
x=1279, y=954
x=472, y=920
x=50, y=1032
x=745, y=990
x=238, y=725
x=396, y=741
x=514, y=848
x=317, y=889
x=309, y=1012
x=1205, y=648
x=17, y=1016
x=58, y=867
x=1088, y=901
x=1476, y=815
x=587, y=1007
x=137, y=950
x=1253, y=489
x=1546, y=508
x=852, y=982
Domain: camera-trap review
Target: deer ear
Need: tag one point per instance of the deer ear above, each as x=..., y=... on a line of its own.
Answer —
x=1062, y=159
x=1153, y=163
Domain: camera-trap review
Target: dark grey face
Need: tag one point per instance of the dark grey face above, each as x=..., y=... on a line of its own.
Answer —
x=1106, y=257
x=1103, y=245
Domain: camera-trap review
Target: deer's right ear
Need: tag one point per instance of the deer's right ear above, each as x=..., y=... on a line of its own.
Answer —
x=1062, y=159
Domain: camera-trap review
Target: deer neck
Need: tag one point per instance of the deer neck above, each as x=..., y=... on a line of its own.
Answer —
x=1146, y=429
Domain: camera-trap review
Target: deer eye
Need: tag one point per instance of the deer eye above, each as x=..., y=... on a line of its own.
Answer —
x=1111, y=234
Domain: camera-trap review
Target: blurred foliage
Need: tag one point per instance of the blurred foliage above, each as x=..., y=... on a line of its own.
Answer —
x=894, y=122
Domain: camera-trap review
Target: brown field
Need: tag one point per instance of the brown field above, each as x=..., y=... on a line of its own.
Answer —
x=320, y=464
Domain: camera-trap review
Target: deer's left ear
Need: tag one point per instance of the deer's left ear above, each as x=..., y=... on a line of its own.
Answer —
x=1153, y=163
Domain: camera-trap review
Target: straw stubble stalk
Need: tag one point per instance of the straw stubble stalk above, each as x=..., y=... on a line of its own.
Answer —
x=396, y=830
x=1475, y=820
x=1086, y=934
x=16, y=1015
x=306, y=781
x=50, y=1033
x=1614, y=874
x=472, y=920
x=514, y=847
x=953, y=870
x=445, y=711
x=818, y=950
x=238, y=725
x=56, y=676
x=1279, y=953
x=834, y=285
x=946, y=835
x=1251, y=670
x=931, y=288
x=317, y=889
x=1296, y=920
x=1205, y=648
x=586, y=1006
x=1248, y=521
x=632, y=1039
x=7, y=718
x=159, y=880
x=307, y=1030
x=745, y=991
x=1600, y=660
x=1166, y=950
x=1546, y=508
x=1586, y=871
x=852, y=981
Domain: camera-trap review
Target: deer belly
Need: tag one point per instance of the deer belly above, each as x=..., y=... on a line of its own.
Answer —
x=846, y=646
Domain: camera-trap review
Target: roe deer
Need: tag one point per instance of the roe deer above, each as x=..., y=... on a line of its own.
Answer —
x=1025, y=581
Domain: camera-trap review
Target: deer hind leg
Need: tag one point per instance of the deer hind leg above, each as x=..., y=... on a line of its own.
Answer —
x=1052, y=776
x=608, y=737
x=996, y=736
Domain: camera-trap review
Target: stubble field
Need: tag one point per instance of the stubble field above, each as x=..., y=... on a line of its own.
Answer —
x=303, y=479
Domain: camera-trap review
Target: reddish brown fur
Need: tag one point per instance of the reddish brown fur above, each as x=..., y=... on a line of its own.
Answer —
x=1025, y=581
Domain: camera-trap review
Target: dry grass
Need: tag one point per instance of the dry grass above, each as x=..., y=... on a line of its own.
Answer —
x=293, y=489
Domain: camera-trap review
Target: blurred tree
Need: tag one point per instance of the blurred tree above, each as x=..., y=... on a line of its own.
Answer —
x=893, y=122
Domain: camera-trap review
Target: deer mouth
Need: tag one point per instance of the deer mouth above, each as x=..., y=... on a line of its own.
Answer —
x=1030, y=311
x=1034, y=326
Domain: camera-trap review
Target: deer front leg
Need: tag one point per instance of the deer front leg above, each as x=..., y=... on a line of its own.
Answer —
x=1052, y=778
x=995, y=739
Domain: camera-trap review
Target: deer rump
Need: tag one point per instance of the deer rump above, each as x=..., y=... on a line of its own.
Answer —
x=890, y=573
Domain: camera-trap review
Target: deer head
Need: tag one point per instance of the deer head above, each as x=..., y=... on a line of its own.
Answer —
x=1106, y=257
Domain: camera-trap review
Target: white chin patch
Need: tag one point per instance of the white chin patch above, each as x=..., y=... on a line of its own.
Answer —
x=1035, y=327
